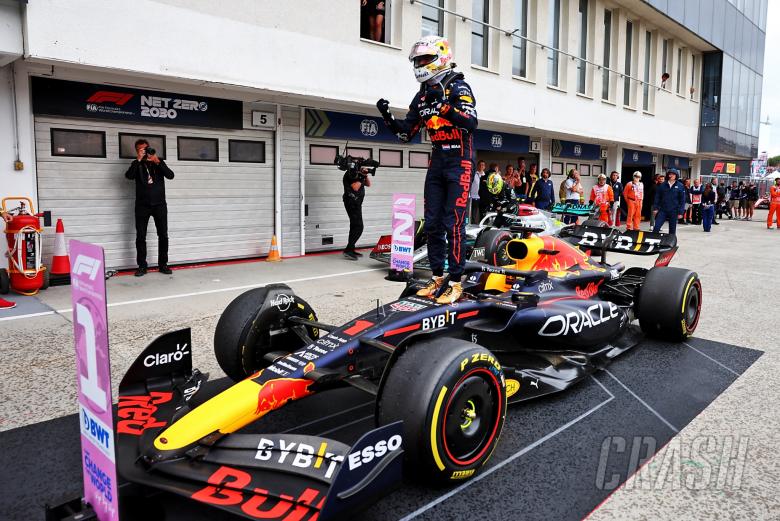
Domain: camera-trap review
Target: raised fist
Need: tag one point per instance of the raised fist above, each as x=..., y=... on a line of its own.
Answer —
x=384, y=106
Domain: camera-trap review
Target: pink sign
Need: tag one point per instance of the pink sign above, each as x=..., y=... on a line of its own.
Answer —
x=402, y=247
x=90, y=330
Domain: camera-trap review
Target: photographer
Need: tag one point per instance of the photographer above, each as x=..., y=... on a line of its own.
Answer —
x=355, y=182
x=149, y=173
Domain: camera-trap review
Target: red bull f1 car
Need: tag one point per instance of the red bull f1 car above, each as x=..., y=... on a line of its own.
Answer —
x=442, y=376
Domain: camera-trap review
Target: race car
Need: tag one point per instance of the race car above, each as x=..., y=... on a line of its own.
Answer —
x=524, y=216
x=441, y=375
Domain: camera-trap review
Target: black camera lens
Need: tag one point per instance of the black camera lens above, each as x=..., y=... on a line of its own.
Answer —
x=150, y=151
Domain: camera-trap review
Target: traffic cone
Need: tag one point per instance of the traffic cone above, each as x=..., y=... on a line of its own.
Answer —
x=59, y=274
x=273, y=254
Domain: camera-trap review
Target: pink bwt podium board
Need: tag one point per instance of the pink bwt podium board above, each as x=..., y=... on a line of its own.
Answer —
x=93, y=374
x=402, y=248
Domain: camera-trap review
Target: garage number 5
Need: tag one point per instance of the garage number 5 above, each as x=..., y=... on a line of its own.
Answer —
x=90, y=386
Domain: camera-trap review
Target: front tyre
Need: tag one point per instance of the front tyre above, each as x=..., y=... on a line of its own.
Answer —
x=451, y=397
x=669, y=304
x=494, y=241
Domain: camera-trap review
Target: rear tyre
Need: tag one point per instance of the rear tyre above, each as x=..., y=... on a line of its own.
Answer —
x=252, y=326
x=451, y=397
x=494, y=241
x=670, y=303
x=5, y=281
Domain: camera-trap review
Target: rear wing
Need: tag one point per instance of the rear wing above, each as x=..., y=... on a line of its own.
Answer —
x=579, y=210
x=635, y=242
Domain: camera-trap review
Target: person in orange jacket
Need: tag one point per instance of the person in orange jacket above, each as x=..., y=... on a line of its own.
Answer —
x=774, y=205
x=602, y=195
x=634, y=194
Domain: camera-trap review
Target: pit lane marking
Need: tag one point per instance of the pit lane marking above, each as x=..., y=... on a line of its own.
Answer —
x=640, y=400
x=197, y=293
x=705, y=355
x=511, y=458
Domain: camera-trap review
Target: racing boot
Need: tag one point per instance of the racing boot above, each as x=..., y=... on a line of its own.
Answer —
x=432, y=287
x=451, y=294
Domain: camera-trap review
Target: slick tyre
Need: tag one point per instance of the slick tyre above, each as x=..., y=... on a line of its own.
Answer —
x=670, y=303
x=451, y=397
x=252, y=326
x=494, y=241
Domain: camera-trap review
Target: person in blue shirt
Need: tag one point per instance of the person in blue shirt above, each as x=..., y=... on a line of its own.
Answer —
x=669, y=202
x=543, y=192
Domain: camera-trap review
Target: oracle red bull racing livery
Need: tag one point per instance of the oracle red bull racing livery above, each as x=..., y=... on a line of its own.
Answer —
x=441, y=375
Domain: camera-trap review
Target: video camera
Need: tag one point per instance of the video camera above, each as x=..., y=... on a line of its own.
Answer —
x=355, y=165
x=149, y=151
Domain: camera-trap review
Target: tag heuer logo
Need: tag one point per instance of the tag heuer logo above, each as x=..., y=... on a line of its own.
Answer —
x=496, y=140
x=577, y=150
x=368, y=127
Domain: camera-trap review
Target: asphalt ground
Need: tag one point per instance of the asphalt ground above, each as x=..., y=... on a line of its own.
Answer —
x=735, y=263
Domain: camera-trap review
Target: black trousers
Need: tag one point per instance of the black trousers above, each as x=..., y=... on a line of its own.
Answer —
x=355, y=213
x=158, y=212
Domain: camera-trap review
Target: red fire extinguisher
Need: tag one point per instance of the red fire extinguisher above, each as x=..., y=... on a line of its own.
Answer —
x=25, y=274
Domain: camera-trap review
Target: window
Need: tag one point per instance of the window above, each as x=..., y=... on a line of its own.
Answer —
x=78, y=143
x=555, y=37
x=584, y=169
x=519, y=45
x=365, y=153
x=479, y=33
x=391, y=158
x=556, y=168
x=419, y=159
x=581, y=65
x=694, y=66
x=322, y=154
x=242, y=151
x=678, y=88
x=627, y=68
x=646, y=75
x=607, y=55
x=198, y=149
x=665, y=64
x=432, y=19
x=127, y=144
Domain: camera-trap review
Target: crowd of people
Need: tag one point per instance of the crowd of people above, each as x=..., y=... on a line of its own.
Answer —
x=672, y=200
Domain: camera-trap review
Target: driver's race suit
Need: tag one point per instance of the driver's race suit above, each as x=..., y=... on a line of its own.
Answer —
x=451, y=119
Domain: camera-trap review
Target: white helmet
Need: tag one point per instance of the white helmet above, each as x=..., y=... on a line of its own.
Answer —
x=431, y=57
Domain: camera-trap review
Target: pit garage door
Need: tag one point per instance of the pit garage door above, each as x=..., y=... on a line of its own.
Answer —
x=220, y=203
x=402, y=170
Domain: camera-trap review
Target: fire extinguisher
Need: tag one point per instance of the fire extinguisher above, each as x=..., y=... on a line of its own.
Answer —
x=26, y=274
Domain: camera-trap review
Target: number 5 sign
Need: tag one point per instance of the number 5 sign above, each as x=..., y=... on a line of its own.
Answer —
x=90, y=331
x=402, y=248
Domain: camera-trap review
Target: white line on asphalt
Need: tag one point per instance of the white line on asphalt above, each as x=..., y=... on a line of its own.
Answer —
x=510, y=459
x=705, y=355
x=197, y=293
x=318, y=420
x=364, y=418
x=632, y=393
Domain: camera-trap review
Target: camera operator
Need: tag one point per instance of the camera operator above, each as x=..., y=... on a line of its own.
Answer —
x=355, y=183
x=149, y=173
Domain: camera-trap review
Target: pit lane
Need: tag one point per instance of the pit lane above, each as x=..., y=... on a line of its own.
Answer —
x=548, y=464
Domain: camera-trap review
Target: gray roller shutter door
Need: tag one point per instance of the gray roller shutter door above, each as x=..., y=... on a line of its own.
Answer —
x=216, y=210
x=325, y=210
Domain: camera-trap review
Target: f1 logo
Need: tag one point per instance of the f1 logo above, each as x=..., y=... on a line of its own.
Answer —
x=106, y=96
x=86, y=265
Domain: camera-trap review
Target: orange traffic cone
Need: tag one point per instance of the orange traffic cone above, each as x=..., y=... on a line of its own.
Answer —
x=60, y=262
x=273, y=254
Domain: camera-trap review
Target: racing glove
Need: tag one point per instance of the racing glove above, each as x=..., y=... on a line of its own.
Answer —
x=384, y=109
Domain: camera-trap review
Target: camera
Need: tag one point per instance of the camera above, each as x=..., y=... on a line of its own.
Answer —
x=356, y=165
x=149, y=151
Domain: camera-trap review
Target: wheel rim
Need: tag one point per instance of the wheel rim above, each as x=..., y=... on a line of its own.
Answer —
x=471, y=417
x=692, y=306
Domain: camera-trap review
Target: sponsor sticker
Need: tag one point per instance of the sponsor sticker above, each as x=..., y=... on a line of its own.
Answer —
x=407, y=306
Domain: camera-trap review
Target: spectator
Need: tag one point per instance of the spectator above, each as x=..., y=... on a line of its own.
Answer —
x=752, y=198
x=774, y=205
x=669, y=202
x=521, y=170
x=743, y=202
x=542, y=193
x=531, y=179
x=734, y=194
x=653, y=188
x=707, y=203
x=687, y=214
x=512, y=179
x=617, y=191
x=149, y=173
x=634, y=196
x=723, y=202
x=696, y=192
x=474, y=210
x=574, y=193
x=715, y=189
x=602, y=196
x=374, y=11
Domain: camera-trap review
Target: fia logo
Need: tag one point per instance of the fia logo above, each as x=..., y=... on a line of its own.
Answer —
x=496, y=141
x=92, y=107
x=368, y=127
x=577, y=150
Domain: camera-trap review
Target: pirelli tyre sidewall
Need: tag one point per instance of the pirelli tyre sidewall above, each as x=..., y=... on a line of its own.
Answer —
x=669, y=304
x=494, y=241
x=243, y=335
x=451, y=396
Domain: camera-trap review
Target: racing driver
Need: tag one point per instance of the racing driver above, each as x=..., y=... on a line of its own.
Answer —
x=445, y=105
